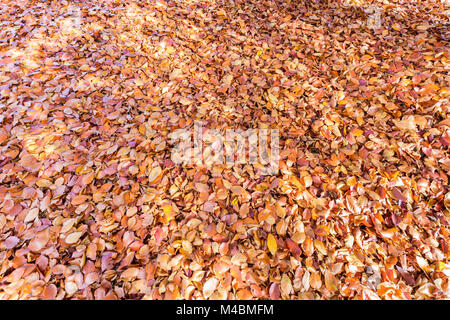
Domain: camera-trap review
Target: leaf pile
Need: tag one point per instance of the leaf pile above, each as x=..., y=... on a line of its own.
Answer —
x=92, y=207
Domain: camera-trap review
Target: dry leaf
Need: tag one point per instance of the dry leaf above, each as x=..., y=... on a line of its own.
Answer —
x=271, y=244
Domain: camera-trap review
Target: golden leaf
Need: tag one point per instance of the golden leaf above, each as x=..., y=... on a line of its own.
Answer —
x=272, y=244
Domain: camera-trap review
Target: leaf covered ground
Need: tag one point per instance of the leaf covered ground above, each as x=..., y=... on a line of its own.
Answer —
x=93, y=207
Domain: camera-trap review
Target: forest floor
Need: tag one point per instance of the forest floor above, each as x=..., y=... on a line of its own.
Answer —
x=94, y=206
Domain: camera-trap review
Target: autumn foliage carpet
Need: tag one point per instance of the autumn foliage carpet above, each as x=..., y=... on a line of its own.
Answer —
x=92, y=207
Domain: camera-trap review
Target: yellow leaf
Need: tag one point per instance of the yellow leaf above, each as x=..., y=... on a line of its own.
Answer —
x=396, y=26
x=296, y=183
x=308, y=181
x=81, y=170
x=320, y=247
x=439, y=266
x=331, y=282
x=43, y=183
x=351, y=181
x=73, y=237
x=272, y=244
x=286, y=285
x=155, y=175
x=359, y=120
x=142, y=129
